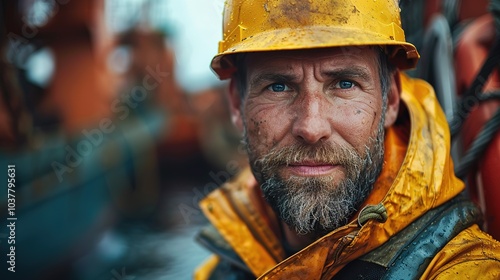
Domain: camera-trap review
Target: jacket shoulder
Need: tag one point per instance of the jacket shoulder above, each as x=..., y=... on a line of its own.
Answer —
x=472, y=254
x=242, y=228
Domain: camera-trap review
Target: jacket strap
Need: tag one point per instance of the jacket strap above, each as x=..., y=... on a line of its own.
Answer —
x=407, y=254
x=432, y=236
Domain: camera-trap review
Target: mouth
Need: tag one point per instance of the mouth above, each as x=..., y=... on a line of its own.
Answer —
x=311, y=168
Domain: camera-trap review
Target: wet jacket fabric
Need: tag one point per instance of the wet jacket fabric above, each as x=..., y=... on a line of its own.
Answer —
x=416, y=182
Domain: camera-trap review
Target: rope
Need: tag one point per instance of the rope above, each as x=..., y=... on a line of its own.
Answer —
x=377, y=212
x=479, y=145
x=490, y=96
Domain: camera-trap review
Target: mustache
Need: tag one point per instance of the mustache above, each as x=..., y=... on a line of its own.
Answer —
x=321, y=153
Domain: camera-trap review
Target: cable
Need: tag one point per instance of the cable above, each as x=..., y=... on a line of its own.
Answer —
x=479, y=145
x=475, y=88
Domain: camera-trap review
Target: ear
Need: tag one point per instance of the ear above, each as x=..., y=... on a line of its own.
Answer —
x=235, y=105
x=393, y=100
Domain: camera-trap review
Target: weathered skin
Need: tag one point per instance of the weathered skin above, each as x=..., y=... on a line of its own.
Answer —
x=314, y=108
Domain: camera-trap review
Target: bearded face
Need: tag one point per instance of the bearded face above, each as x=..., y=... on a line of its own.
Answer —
x=313, y=122
x=318, y=204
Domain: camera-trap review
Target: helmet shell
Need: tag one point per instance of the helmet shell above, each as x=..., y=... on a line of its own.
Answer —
x=273, y=25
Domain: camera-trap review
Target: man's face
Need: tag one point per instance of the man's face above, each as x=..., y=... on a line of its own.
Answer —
x=314, y=127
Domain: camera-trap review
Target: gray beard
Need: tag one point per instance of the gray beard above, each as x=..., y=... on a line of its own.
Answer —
x=318, y=205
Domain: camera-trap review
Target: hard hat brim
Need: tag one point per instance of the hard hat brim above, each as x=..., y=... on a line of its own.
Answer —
x=403, y=55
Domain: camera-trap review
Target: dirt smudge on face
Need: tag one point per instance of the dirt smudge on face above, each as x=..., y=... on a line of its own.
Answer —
x=257, y=134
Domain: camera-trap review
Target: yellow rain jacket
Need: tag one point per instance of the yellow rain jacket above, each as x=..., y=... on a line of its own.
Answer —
x=411, y=197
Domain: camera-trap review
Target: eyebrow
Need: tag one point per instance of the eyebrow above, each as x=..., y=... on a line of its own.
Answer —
x=351, y=72
x=270, y=77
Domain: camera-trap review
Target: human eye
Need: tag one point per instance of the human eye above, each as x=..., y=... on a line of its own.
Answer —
x=344, y=84
x=278, y=87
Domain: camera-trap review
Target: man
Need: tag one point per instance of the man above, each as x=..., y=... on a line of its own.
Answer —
x=350, y=176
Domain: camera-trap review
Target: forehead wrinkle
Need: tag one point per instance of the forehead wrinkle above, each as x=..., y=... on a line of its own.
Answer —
x=266, y=65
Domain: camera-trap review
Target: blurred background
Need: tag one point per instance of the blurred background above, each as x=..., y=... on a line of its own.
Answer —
x=117, y=127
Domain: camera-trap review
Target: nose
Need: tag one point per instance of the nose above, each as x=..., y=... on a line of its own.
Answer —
x=311, y=122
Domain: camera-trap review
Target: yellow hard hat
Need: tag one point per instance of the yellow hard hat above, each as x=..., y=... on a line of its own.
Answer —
x=271, y=25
